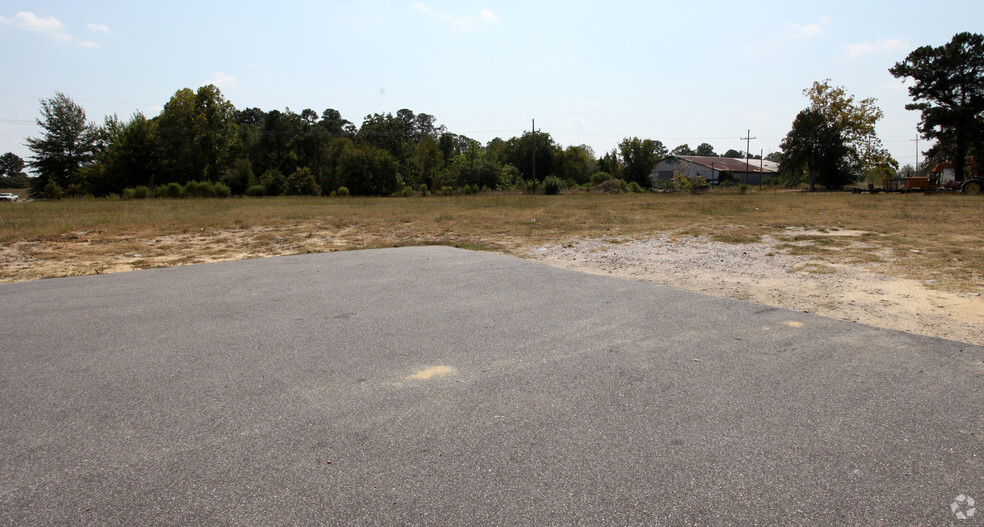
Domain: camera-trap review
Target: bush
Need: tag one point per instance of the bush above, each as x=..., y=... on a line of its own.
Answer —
x=273, y=182
x=599, y=177
x=221, y=190
x=552, y=186
x=239, y=177
x=198, y=189
x=635, y=187
x=743, y=188
x=52, y=190
x=256, y=191
x=302, y=183
x=343, y=192
x=141, y=192
x=171, y=190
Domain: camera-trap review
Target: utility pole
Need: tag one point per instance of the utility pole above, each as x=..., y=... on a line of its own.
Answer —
x=534, y=149
x=748, y=141
x=917, y=152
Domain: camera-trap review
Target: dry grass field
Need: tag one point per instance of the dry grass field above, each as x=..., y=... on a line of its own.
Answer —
x=908, y=262
x=939, y=238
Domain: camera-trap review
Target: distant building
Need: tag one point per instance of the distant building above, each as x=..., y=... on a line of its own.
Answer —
x=710, y=168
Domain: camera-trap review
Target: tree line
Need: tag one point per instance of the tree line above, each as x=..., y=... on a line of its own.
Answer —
x=200, y=138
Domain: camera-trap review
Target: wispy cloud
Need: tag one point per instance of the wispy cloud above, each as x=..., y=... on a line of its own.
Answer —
x=808, y=30
x=578, y=120
x=48, y=25
x=463, y=23
x=880, y=45
x=100, y=28
x=221, y=80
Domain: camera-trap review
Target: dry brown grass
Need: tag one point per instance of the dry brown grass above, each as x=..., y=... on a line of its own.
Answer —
x=937, y=237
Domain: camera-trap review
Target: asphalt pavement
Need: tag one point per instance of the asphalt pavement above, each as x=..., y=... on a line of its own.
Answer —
x=438, y=386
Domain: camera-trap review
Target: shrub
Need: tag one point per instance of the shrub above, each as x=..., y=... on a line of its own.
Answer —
x=256, y=191
x=343, y=192
x=302, y=183
x=141, y=192
x=239, y=177
x=221, y=190
x=171, y=190
x=273, y=182
x=552, y=186
x=127, y=193
x=198, y=189
x=743, y=188
x=635, y=187
x=52, y=190
x=422, y=189
x=599, y=177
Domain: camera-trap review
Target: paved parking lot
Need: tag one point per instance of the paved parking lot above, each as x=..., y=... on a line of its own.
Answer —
x=436, y=386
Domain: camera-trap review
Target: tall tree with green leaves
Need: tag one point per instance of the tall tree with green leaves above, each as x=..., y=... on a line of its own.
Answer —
x=948, y=88
x=856, y=120
x=68, y=143
x=12, y=171
x=521, y=151
x=705, y=149
x=198, y=133
x=817, y=147
x=133, y=156
x=639, y=158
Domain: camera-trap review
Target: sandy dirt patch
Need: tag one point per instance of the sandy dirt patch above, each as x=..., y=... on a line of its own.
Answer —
x=765, y=274
x=758, y=272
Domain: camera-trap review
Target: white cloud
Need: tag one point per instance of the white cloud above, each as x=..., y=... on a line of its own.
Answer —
x=462, y=23
x=48, y=25
x=100, y=28
x=808, y=30
x=31, y=22
x=580, y=121
x=881, y=45
x=221, y=80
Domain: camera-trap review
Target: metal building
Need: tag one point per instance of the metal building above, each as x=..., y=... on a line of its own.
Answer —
x=711, y=168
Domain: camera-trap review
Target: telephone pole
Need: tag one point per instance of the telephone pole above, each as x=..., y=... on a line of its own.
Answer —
x=748, y=141
x=917, y=152
x=534, y=149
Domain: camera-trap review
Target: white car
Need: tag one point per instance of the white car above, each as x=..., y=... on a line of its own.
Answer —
x=7, y=196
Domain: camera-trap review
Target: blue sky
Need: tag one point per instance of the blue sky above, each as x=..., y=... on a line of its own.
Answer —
x=588, y=72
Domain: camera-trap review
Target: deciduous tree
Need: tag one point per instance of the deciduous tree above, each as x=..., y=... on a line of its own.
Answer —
x=639, y=158
x=856, y=120
x=816, y=146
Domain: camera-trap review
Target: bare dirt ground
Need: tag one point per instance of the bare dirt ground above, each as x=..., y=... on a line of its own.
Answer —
x=760, y=272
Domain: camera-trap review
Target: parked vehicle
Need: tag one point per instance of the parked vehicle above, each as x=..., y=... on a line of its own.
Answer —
x=943, y=178
x=940, y=179
x=7, y=196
